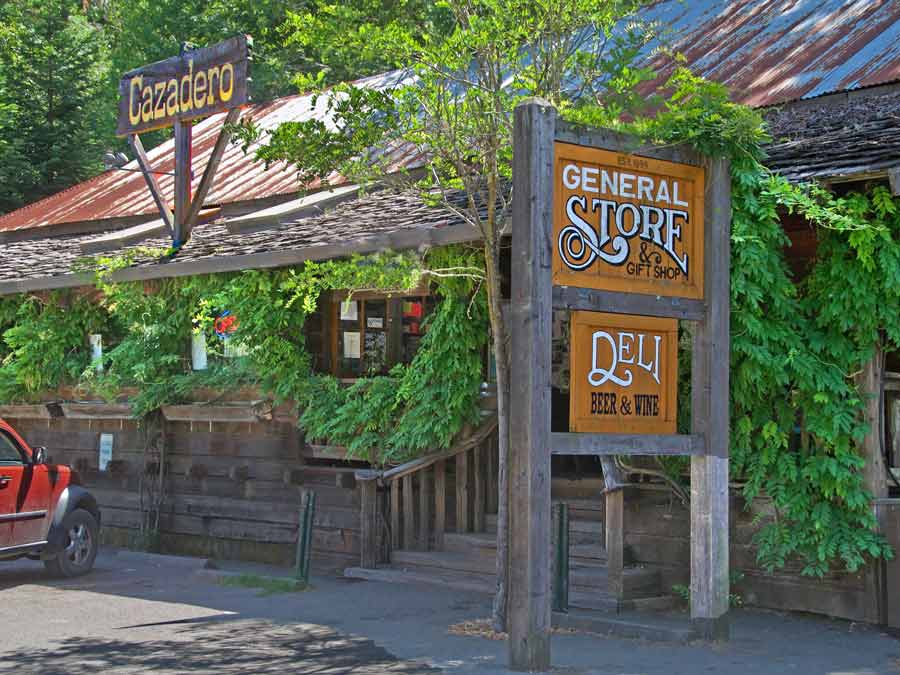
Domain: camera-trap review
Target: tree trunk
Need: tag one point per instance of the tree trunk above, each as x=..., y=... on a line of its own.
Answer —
x=498, y=329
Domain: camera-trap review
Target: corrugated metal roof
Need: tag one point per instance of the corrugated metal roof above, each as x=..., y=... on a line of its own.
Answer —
x=774, y=51
x=766, y=51
x=118, y=194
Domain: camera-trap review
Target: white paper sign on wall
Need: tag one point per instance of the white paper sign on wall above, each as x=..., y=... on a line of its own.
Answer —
x=106, y=448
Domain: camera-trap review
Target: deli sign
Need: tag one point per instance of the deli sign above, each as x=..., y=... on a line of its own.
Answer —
x=197, y=83
x=624, y=373
x=627, y=223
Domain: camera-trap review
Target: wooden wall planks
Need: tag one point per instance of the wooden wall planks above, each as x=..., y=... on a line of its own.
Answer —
x=231, y=486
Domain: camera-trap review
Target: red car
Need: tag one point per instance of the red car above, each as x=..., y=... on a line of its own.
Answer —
x=45, y=514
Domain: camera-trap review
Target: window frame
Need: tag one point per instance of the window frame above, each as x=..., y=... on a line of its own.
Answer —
x=393, y=328
x=23, y=456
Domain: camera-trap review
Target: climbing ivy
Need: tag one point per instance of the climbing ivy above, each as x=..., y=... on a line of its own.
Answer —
x=415, y=408
x=45, y=341
x=796, y=343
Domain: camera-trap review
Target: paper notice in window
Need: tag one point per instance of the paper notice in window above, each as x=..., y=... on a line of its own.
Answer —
x=351, y=345
x=106, y=448
x=349, y=311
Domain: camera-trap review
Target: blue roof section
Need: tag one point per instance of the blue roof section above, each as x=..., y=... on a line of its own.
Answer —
x=773, y=51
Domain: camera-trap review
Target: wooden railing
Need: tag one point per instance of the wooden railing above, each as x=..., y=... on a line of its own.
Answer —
x=405, y=507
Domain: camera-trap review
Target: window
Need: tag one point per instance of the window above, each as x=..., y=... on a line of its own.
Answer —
x=374, y=333
x=9, y=450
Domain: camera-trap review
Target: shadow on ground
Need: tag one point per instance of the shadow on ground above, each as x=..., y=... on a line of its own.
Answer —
x=219, y=646
x=161, y=620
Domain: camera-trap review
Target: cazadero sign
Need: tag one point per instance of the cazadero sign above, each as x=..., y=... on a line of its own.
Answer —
x=627, y=223
x=197, y=83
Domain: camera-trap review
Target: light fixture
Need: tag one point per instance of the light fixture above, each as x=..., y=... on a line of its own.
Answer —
x=116, y=161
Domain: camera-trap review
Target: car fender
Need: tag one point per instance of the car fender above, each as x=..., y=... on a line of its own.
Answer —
x=71, y=498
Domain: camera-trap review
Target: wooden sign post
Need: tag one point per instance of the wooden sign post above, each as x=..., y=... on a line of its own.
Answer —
x=630, y=239
x=175, y=92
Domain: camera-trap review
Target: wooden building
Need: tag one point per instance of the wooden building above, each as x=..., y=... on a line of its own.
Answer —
x=239, y=465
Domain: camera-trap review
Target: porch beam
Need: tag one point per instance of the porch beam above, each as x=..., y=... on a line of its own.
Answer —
x=562, y=443
x=209, y=173
x=591, y=300
x=137, y=147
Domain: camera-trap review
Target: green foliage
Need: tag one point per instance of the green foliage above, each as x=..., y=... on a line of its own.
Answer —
x=144, y=31
x=54, y=112
x=147, y=330
x=458, y=113
x=795, y=346
x=343, y=41
x=61, y=60
x=45, y=342
x=421, y=406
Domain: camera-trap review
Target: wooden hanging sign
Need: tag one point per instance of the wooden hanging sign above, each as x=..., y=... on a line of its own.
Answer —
x=627, y=223
x=197, y=83
x=624, y=374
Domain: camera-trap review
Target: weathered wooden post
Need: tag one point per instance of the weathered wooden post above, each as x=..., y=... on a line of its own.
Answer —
x=369, y=516
x=183, y=156
x=529, y=451
x=710, y=411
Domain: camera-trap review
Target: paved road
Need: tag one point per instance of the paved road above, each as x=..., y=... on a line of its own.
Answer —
x=140, y=614
x=135, y=616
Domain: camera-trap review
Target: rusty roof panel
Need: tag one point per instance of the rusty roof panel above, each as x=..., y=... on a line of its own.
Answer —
x=773, y=51
x=765, y=51
x=120, y=194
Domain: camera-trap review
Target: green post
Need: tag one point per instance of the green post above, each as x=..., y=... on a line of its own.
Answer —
x=304, y=537
x=560, y=557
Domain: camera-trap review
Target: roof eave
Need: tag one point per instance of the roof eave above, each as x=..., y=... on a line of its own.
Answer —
x=410, y=239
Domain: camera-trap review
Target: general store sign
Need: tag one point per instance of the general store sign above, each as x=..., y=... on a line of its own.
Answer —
x=627, y=223
x=624, y=373
x=198, y=83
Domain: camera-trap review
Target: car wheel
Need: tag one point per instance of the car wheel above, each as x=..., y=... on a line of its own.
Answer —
x=80, y=546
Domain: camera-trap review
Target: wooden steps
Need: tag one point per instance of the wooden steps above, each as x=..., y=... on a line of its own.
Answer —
x=456, y=580
x=468, y=562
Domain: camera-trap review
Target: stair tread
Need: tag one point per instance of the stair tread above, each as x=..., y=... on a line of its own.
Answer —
x=393, y=574
x=447, y=560
x=583, y=504
x=587, y=551
x=483, y=539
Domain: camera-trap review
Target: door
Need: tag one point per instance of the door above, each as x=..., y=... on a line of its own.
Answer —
x=25, y=491
x=12, y=468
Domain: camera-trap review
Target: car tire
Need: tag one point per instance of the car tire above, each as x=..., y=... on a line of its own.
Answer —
x=81, y=542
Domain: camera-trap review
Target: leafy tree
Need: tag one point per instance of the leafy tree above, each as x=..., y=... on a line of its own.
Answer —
x=338, y=42
x=144, y=31
x=61, y=60
x=53, y=114
x=458, y=108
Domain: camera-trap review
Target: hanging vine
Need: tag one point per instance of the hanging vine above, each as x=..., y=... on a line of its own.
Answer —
x=796, y=344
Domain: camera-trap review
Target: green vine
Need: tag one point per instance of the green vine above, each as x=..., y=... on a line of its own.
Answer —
x=796, y=344
x=45, y=341
x=379, y=419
